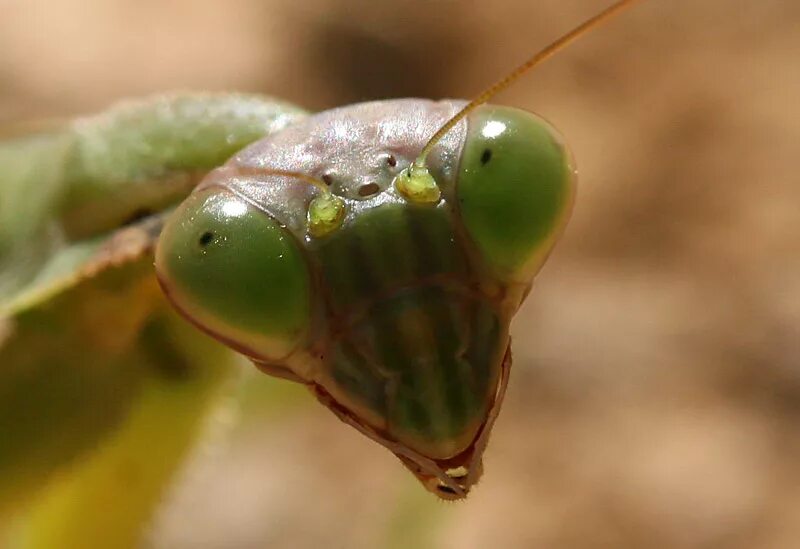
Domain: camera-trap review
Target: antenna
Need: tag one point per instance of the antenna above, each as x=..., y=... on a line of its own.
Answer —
x=506, y=81
x=310, y=179
x=325, y=211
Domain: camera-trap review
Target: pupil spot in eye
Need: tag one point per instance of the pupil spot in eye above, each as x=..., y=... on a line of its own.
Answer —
x=391, y=160
x=328, y=179
x=368, y=189
x=205, y=239
x=486, y=156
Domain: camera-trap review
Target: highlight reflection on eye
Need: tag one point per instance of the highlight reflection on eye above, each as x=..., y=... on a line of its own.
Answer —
x=493, y=128
x=234, y=209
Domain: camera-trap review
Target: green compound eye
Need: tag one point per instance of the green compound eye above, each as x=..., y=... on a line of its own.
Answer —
x=515, y=189
x=234, y=271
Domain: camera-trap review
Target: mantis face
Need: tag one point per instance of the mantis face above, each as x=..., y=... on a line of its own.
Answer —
x=387, y=292
x=377, y=253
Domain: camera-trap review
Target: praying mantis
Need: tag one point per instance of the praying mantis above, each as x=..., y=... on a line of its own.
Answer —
x=375, y=253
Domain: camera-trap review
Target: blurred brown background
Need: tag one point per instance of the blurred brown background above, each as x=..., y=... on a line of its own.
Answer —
x=655, y=399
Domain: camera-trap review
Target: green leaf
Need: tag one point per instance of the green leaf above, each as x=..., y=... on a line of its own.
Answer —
x=96, y=373
x=108, y=498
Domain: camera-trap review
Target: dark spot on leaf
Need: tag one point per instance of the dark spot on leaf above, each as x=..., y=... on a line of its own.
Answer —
x=166, y=359
x=486, y=156
x=369, y=189
x=205, y=239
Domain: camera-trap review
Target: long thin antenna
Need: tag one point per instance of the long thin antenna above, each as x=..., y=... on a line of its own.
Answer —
x=325, y=212
x=305, y=178
x=538, y=58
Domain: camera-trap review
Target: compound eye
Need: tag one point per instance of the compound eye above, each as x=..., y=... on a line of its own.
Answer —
x=235, y=272
x=515, y=189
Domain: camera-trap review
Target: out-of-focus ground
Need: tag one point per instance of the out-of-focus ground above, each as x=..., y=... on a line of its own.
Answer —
x=655, y=396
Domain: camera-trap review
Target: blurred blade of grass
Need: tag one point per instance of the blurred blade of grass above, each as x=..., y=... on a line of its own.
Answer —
x=108, y=498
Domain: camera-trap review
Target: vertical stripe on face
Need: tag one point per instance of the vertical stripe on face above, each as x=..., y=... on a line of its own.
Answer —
x=385, y=249
x=424, y=353
x=434, y=352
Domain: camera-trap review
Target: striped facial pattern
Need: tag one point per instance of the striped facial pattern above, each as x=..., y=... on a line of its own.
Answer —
x=398, y=319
